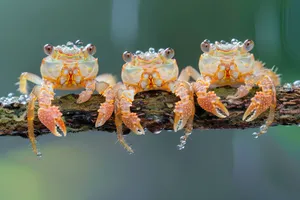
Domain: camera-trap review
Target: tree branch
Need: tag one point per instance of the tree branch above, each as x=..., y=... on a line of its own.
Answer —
x=155, y=109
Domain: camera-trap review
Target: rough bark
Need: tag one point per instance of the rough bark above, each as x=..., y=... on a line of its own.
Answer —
x=155, y=109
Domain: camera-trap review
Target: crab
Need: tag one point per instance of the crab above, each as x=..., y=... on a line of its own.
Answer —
x=151, y=71
x=232, y=64
x=66, y=67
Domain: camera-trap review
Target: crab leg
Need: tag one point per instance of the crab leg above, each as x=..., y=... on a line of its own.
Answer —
x=243, y=90
x=87, y=93
x=25, y=76
x=189, y=72
x=30, y=118
x=184, y=109
x=131, y=120
x=261, y=102
x=209, y=101
x=105, y=86
x=119, y=105
x=49, y=115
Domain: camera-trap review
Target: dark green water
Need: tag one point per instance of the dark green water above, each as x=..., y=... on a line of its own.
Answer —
x=215, y=165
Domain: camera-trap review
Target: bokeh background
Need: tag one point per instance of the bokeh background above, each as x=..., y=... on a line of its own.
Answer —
x=228, y=164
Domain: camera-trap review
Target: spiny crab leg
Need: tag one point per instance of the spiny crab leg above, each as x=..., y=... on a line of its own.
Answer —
x=87, y=93
x=107, y=108
x=30, y=118
x=105, y=85
x=261, y=102
x=49, y=115
x=122, y=106
x=209, y=101
x=184, y=109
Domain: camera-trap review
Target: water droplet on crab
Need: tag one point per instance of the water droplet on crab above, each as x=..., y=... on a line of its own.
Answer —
x=234, y=41
x=160, y=50
x=138, y=52
x=287, y=87
x=79, y=43
x=297, y=84
x=70, y=44
x=151, y=50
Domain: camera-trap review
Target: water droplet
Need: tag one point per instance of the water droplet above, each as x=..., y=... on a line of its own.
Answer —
x=263, y=129
x=79, y=43
x=157, y=132
x=180, y=147
x=160, y=50
x=255, y=133
x=287, y=87
x=39, y=154
x=70, y=44
x=297, y=84
x=10, y=94
x=188, y=134
x=234, y=41
x=151, y=50
x=169, y=105
x=256, y=137
x=138, y=52
x=223, y=42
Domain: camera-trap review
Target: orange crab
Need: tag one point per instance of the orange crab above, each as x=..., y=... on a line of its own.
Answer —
x=224, y=63
x=66, y=67
x=151, y=71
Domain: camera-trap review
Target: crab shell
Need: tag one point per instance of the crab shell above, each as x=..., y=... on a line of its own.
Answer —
x=149, y=70
x=228, y=63
x=69, y=67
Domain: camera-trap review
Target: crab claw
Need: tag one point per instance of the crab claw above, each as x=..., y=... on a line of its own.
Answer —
x=211, y=103
x=84, y=96
x=104, y=113
x=259, y=103
x=132, y=121
x=51, y=117
x=183, y=111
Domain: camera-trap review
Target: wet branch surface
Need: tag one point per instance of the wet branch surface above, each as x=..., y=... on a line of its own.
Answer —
x=155, y=109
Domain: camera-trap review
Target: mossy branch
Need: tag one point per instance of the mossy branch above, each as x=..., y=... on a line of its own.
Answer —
x=155, y=109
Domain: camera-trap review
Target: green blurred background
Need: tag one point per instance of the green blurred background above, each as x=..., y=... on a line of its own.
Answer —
x=217, y=164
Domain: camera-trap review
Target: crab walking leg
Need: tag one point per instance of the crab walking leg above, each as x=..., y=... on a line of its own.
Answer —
x=87, y=93
x=243, y=90
x=131, y=120
x=189, y=72
x=50, y=115
x=107, y=108
x=105, y=85
x=25, y=76
x=184, y=109
x=30, y=118
x=208, y=100
x=261, y=102
x=119, y=88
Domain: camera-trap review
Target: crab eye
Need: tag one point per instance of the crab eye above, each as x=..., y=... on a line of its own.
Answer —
x=205, y=46
x=48, y=49
x=248, y=45
x=91, y=49
x=169, y=53
x=127, y=56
